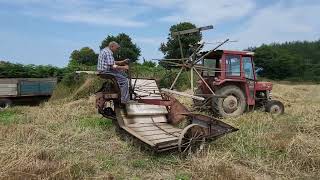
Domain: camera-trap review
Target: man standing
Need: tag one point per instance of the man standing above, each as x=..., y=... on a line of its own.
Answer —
x=107, y=64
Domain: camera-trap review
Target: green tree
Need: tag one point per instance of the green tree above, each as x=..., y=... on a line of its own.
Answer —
x=85, y=56
x=171, y=49
x=10, y=70
x=128, y=48
x=290, y=60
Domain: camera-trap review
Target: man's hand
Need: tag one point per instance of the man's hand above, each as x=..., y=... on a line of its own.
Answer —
x=123, y=62
x=126, y=61
x=125, y=67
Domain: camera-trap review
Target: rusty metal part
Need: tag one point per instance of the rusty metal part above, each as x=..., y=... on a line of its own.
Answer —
x=191, y=139
x=176, y=112
x=109, y=92
x=175, y=108
x=214, y=127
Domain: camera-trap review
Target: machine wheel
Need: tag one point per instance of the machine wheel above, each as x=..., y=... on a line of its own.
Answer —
x=274, y=107
x=5, y=103
x=232, y=104
x=191, y=139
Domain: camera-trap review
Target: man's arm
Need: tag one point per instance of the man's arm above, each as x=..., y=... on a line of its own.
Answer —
x=122, y=63
x=125, y=67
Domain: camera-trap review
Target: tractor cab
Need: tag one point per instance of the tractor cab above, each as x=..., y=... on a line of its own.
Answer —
x=225, y=64
x=224, y=70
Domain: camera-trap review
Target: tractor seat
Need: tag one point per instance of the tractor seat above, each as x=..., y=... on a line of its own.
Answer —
x=141, y=109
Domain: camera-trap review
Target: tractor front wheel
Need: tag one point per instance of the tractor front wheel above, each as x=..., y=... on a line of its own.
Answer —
x=231, y=103
x=274, y=107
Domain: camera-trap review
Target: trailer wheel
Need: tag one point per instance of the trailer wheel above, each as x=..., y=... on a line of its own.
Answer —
x=5, y=103
x=233, y=104
x=191, y=139
x=274, y=107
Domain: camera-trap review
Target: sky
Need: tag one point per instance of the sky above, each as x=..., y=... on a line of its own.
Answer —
x=47, y=31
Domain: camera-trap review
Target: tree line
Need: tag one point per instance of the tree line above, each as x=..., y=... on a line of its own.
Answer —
x=285, y=61
x=289, y=61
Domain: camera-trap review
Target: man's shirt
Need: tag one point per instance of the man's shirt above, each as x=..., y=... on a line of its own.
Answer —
x=105, y=60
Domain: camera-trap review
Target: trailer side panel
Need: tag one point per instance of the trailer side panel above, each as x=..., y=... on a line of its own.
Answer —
x=36, y=88
x=8, y=89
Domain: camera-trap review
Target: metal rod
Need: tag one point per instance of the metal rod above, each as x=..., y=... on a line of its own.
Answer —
x=174, y=63
x=180, y=44
x=183, y=94
x=169, y=59
x=134, y=84
x=191, y=77
x=203, y=67
x=194, y=30
x=215, y=70
x=194, y=53
x=204, y=81
x=87, y=72
x=221, y=42
x=211, y=51
x=175, y=80
x=131, y=91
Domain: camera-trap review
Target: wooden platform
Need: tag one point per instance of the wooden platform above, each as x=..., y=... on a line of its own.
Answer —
x=153, y=130
x=139, y=109
x=146, y=88
x=149, y=122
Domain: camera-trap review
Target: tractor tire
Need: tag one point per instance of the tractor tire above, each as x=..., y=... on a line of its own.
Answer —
x=5, y=103
x=274, y=107
x=233, y=102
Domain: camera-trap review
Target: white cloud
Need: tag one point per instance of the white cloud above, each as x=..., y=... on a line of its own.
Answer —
x=125, y=13
x=118, y=14
x=279, y=23
x=162, y=3
x=205, y=11
x=155, y=41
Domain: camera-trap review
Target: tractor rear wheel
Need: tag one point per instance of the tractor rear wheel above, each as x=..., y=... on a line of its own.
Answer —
x=231, y=104
x=274, y=107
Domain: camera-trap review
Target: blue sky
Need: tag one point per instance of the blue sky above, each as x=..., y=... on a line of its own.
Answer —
x=47, y=31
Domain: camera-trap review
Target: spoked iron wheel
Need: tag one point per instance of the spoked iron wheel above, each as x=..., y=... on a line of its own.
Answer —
x=192, y=139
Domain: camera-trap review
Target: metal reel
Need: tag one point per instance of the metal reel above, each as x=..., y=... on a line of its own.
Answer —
x=192, y=139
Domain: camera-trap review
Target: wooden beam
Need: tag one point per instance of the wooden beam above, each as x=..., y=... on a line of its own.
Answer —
x=188, y=31
x=183, y=94
x=87, y=72
x=204, y=81
x=177, y=77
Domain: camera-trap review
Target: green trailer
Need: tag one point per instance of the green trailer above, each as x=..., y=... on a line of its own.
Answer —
x=22, y=90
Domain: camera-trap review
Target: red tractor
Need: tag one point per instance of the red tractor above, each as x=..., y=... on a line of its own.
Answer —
x=231, y=75
x=227, y=79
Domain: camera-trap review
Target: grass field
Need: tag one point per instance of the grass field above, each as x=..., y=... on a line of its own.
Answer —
x=64, y=139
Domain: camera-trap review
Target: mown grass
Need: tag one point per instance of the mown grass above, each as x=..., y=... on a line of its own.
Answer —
x=66, y=139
